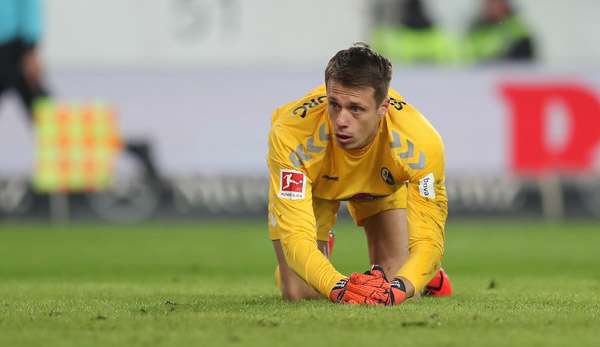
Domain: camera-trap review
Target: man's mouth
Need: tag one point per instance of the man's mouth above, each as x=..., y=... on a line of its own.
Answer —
x=343, y=139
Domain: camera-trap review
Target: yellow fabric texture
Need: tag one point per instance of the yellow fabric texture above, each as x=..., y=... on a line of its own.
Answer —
x=325, y=212
x=403, y=167
x=360, y=210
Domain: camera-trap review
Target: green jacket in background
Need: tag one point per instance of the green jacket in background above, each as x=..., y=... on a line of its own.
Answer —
x=507, y=40
x=414, y=46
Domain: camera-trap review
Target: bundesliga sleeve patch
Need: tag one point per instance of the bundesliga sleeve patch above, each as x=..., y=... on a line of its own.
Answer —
x=292, y=184
x=427, y=186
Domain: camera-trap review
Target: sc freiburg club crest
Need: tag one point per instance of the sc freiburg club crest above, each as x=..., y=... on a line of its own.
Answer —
x=386, y=174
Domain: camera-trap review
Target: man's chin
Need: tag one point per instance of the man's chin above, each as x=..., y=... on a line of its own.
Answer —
x=347, y=145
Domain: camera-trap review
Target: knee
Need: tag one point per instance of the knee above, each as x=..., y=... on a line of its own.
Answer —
x=294, y=289
x=291, y=295
x=294, y=293
x=290, y=291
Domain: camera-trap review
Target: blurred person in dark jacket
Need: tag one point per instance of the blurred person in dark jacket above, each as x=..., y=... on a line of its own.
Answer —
x=499, y=34
x=414, y=38
x=20, y=65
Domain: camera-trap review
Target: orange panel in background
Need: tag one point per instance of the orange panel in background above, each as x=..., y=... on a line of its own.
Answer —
x=76, y=146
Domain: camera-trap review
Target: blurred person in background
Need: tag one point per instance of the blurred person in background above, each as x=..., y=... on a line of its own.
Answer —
x=499, y=34
x=355, y=139
x=413, y=37
x=20, y=65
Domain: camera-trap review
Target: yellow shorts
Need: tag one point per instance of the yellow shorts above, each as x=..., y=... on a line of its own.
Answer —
x=361, y=210
x=326, y=212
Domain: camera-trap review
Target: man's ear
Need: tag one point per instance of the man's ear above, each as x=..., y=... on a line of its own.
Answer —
x=383, y=108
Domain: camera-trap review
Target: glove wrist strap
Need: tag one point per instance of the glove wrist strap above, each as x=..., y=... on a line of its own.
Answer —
x=398, y=284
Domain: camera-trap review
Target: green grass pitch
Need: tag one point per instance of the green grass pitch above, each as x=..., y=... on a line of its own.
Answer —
x=211, y=284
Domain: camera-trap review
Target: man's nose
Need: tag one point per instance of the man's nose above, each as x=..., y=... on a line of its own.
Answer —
x=342, y=120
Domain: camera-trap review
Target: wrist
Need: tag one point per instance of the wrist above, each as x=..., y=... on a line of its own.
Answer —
x=401, y=283
x=397, y=293
x=337, y=292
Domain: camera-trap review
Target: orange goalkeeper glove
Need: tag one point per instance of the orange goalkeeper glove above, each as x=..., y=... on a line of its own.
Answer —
x=397, y=293
x=347, y=292
x=379, y=288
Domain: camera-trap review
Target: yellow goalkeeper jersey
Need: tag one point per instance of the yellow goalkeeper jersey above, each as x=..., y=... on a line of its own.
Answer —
x=305, y=162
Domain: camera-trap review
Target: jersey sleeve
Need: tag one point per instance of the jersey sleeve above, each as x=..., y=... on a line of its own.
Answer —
x=427, y=209
x=291, y=215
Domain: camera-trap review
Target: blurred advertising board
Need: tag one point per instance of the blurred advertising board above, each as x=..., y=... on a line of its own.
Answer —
x=501, y=121
x=513, y=135
x=201, y=197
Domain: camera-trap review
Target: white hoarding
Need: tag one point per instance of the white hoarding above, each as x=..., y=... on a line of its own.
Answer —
x=179, y=33
x=197, y=33
x=216, y=121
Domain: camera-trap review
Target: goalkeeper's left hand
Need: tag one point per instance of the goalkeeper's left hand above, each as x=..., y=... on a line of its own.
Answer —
x=383, y=292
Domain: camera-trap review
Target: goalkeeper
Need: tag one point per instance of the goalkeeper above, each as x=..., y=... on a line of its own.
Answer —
x=355, y=139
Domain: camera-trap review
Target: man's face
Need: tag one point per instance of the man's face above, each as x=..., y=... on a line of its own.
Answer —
x=354, y=113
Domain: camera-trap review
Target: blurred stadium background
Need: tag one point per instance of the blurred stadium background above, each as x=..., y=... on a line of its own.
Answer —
x=192, y=84
x=150, y=204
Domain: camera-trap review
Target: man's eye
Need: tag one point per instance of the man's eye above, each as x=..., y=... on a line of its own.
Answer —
x=356, y=109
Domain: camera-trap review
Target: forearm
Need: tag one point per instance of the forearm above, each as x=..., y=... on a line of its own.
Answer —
x=303, y=256
x=422, y=264
x=426, y=229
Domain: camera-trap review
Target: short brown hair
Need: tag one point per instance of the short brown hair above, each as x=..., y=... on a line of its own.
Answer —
x=359, y=66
